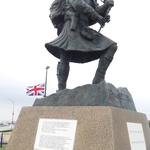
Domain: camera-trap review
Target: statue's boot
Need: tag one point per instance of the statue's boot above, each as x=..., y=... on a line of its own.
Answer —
x=62, y=73
x=104, y=63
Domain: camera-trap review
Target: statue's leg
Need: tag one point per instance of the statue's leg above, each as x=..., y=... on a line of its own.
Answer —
x=63, y=70
x=104, y=63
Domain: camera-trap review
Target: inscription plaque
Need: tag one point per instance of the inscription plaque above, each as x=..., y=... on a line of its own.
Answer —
x=136, y=136
x=55, y=134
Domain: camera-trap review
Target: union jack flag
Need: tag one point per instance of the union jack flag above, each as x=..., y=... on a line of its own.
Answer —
x=37, y=90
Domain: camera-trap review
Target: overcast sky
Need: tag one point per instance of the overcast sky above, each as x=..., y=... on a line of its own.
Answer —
x=24, y=29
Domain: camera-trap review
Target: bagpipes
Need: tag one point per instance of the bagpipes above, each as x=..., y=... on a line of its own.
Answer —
x=110, y=5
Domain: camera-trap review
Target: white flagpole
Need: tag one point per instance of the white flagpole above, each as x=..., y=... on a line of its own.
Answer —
x=47, y=67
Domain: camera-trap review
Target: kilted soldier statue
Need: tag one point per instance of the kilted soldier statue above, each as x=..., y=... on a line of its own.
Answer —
x=76, y=41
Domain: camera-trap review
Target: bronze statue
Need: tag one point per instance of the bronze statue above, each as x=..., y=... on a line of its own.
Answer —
x=76, y=41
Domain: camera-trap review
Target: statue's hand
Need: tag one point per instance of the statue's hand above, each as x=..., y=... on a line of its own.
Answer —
x=107, y=18
x=101, y=21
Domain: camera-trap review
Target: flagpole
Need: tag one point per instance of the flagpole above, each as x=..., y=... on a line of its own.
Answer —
x=47, y=67
x=13, y=112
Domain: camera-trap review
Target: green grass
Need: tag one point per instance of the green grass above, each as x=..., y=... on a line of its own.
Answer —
x=2, y=148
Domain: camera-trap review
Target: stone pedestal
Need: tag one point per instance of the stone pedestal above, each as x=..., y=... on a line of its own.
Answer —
x=98, y=128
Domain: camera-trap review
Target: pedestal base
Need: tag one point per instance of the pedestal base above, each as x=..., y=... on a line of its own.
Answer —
x=98, y=128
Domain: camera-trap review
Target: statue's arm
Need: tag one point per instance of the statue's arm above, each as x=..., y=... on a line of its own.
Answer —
x=82, y=7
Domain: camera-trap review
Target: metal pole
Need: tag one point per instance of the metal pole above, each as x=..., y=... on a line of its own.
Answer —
x=46, y=80
x=13, y=112
x=1, y=139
